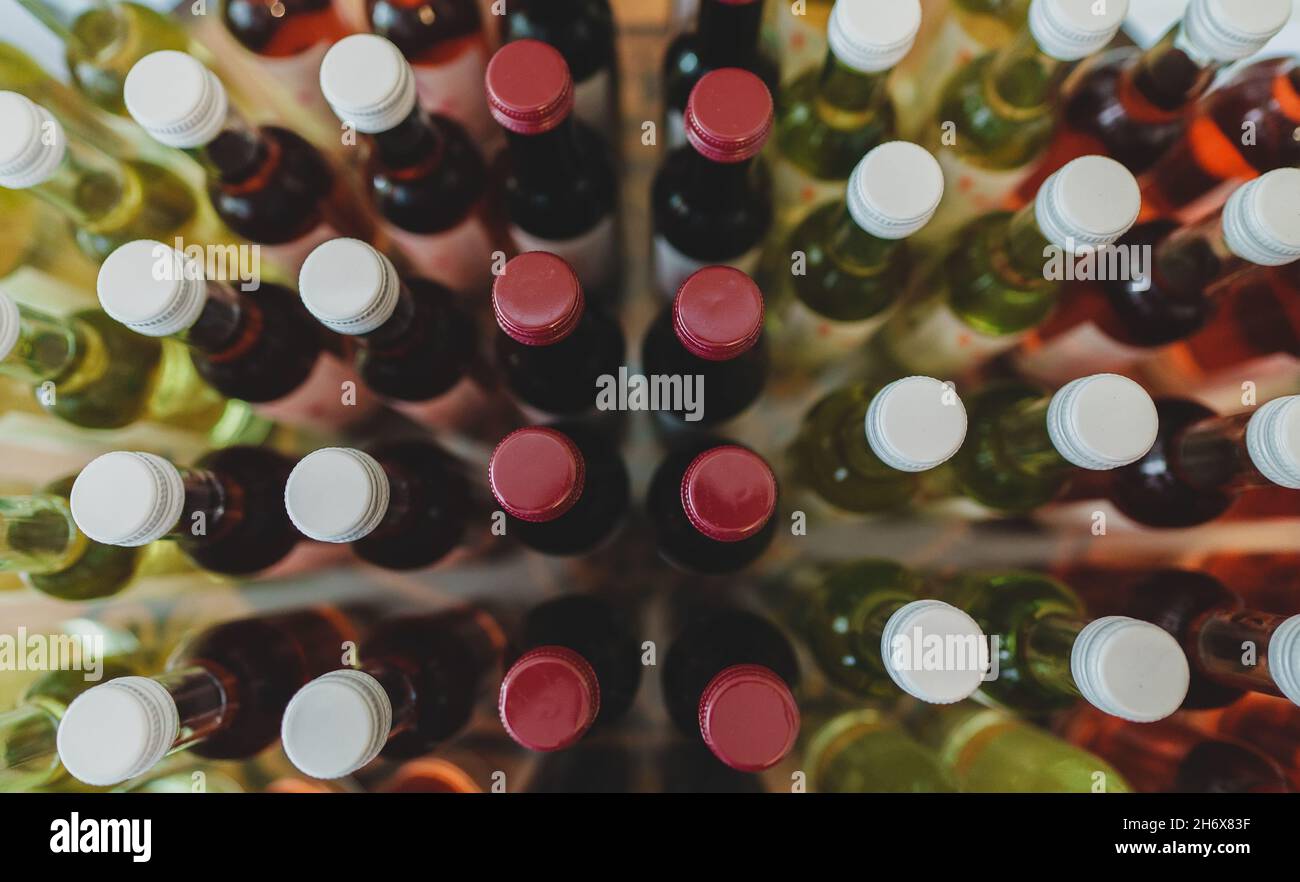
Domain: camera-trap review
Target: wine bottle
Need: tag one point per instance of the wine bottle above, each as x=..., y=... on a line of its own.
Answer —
x=564, y=488
x=1005, y=271
x=416, y=345
x=726, y=35
x=728, y=678
x=416, y=685
x=1170, y=757
x=1267, y=724
x=40, y=540
x=1131, y=104
x=1201, y=462
x=448, y=51
x=580, y=667
x=561, y=190
x=711, y=200
x=1050, y=652
x=862, y=448
x=224, y=512
x=712, y=505
x=1110, y=325
x=108, y=201
x=712, y=332
x=402, y=505
x=222, y=696
x=830, y=116
x=267, y=183
x=849, y=261
x=792, y=33
x=39, y=252
x=427, y=179
x=867, y=625
x=583, y=31
x=864, y=751
x=553, y=347
x=262, y=346
x=1262, y=99
x=1022, y=445
x=995, y=116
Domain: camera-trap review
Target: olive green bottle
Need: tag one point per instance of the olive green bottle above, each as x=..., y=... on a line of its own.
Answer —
x=867, y=751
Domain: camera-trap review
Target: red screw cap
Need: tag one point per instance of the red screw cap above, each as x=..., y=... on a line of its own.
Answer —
x=748, y=717
x=729, y=493
x=537, y=299
x=536, y=473
x=529, y=87
x=549, y=698
x=718, y=313
x=729, y=115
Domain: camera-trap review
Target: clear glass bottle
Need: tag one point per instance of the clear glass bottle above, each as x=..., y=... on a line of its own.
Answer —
x=866, y=751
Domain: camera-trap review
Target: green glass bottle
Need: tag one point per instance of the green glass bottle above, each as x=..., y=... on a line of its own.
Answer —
x=1004, y=272
x=1050, y=653
x=828, y=118
x=863, y=448
x=860, y=620
x=835, y=276
x=1022, y=444
x=866, y=751
x=996, y=114
x=987, y=751
x=38, y=253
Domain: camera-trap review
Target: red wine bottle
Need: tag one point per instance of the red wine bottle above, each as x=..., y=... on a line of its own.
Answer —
x=711, y=335
x=580, y=668
x=711, y=200
x=267, y=183
x=401, y=505
x=728, y=677
x=564, y=488
x=561, y=190
x=712, y=504
x=426, y=178
x=261, y=346
x=222, y=696
x=416, y=685
x=225, y=511
x=552, y=348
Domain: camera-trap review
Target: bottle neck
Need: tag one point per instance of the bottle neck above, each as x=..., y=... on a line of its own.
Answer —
x=47, y=347
x=1022, y=431
x=1166, y=78
x=1024, y=248
x=239, y=152
x=1048, y=646
x=203, y=702
x=728, y=33
x=412, y=142
x=206, y=498
x=849, y=99
x=539, y=161
x=399, y=686
x=62, y=17
x=1021, y=79
x=38, y=535
x=225, y=324
x=90, y=187
x=852, y=247
x=1219, y=641
x=1194, y=259
x=29, y=753
x=718, y=183
x=401, y=325
x=1211, y=455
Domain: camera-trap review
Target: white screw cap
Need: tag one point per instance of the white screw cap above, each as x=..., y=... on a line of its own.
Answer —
x=32, y=143
x=894, y=190
x=117, y=730
x=1130, y=669
x=1261, y=220
x=337, y=494
x=151, y=288
x=1069, y=30
x=336, y=724
x=873, y=35
x=1229, y=30
x=174, y=98
x=368, y=82
x=1273, y=441
x=915, y=424
x=1102, y=422
x=924, y=619
x=1088, y=203
x=1284, y=658
x=11, y=325
x=349, y=286
x=127, y=498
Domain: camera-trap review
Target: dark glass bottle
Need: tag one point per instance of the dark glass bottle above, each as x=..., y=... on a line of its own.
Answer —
x=417, y=683
x=728, y=677
x=713, y=333
x=226, y=512
x=552, y=348
x=560, y=186
x=580, y=667
x=711, y=200
x=712, y=505
x=402, y=505
x=726, y=35
x=564, y=489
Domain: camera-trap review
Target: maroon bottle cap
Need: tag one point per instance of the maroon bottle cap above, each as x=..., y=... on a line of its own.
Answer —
x=537, y=298
x=549, y=698
x=728, y=115
x=748, y=717
x=536, y=473
x=718, y=313
x=529, y=87
x=729, y=493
